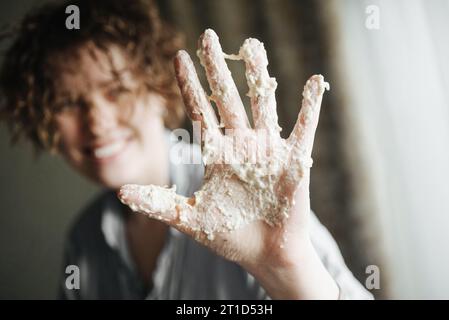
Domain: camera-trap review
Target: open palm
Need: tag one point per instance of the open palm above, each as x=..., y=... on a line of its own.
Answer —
x=254, y=202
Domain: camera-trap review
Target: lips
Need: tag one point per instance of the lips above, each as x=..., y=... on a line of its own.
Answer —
x=101, y=152
x=108, y=150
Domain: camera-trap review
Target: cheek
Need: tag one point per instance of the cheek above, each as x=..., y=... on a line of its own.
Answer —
x=147, y=123
x=70, y=135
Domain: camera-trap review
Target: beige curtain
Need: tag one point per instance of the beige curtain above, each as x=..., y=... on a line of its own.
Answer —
x=396, y=115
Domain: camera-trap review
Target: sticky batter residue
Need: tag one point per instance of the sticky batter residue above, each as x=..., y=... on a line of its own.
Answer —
x=236, y=194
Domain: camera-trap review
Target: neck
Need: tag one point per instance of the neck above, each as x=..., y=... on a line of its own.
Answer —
x=146, y=237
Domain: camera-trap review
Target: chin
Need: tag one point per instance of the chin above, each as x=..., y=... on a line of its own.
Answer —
x=114, y=173
x=111, y=182
x=114, y=178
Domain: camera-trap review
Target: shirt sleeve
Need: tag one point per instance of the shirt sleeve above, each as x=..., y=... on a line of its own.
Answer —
x=327, y=249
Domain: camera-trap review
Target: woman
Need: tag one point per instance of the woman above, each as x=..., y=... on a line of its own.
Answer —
x=104, y=96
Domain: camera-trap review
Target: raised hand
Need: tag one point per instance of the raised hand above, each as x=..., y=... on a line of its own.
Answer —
x=254, y=204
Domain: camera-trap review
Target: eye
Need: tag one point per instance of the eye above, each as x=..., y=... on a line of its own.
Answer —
x=117, y=93
x=66, y=106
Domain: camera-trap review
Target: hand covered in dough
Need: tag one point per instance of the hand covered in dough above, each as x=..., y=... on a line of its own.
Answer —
x=253, y=206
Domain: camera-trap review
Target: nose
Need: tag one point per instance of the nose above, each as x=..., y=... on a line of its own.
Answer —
x=100, y=116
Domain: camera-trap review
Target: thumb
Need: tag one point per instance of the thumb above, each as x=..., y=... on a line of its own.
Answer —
x=158, y=203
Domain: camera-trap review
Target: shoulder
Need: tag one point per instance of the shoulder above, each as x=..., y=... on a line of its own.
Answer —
x=330, y=255
x=322, y=239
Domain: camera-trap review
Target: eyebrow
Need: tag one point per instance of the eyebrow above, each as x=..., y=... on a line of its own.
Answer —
x=64, y=96
x=107, y=83
x=117, y=77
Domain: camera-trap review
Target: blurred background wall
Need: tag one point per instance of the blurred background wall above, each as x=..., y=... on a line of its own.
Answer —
x=381, y=156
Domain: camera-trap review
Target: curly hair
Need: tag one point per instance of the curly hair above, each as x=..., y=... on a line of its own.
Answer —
x=27, y=83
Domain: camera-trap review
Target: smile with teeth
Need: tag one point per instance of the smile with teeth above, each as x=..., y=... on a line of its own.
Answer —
x=109, y=150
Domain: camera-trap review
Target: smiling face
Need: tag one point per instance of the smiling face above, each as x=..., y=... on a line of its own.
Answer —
x=110, y=129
